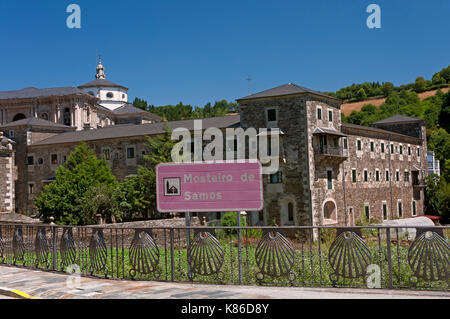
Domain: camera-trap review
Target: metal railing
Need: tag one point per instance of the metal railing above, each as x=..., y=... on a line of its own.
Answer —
x=331, y=151
x=372, y=256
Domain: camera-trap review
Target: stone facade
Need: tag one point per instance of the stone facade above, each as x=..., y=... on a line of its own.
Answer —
x=7, y=174
x=319, y=156
x=331, y=173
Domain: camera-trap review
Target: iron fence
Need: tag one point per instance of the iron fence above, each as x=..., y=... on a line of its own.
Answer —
x=374, y=256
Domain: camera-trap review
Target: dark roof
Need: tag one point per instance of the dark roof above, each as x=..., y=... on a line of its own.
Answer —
x=398, y=118
x=375, y=130
x=130, y=130
x=36, y=122
x=32, y=92
x=325, y=131
x=129, y=108
x=287, y=89
x=102, y=83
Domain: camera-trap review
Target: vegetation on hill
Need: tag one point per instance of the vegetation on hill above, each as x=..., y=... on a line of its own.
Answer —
x=185, y=111
x=371, y=90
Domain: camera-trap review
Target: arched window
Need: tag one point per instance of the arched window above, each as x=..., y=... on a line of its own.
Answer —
x=19, y=117
x=44, y=116
x=66, y=117
x=329, y=211
x=290, y=212
x=109, y=95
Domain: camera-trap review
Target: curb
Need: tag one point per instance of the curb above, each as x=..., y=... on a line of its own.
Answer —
x=15, y=293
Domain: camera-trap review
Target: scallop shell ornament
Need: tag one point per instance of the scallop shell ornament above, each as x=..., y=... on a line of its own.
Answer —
x=144, y=254
x=349, y=255
x=206, y=255
x=429, y=256
x=274, y=256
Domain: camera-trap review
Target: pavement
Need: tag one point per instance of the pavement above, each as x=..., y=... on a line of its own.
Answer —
x=24, y=283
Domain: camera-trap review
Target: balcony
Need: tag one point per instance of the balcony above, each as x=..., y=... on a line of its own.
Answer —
x=416, y=182
x=331, y=151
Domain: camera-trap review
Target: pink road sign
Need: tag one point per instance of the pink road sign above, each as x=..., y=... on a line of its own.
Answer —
x=209, y=187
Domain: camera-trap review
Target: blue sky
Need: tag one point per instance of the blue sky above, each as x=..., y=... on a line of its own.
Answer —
x=199, y=51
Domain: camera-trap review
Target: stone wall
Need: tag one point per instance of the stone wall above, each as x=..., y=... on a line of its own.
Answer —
x=373, y=193
x=295, y=188
x=7, y=174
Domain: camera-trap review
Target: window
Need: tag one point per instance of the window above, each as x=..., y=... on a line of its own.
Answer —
x=319, y=114
x=397, y=176
x=418, y=152
x=358, y=142
x=367, y=211
x=64, y=160
x=54, y=159
x=354, y=175
x=107, y=154
x=366, y=177
x=272, y=115
x=382, y=147
x=406, y=177
x=330, y=179
x=11, y=134
x=30, y=160
x=372, y=146
x=67, y=117
x=330, y=115
x=345, y=143
x=409, y=150
x=385, y=216
x=44, y=116
x=377, y=175
x=276, y=178
x=290, y=212
x=392, y=148
x=30, y=189
x=130, y=152
x=109, y=95
x=414, y=209
x=401, y=149
x=400, y=209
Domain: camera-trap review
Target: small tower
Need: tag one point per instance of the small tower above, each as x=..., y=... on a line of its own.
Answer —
x=100, y=70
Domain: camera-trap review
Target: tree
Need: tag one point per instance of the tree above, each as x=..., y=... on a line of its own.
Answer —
x=139, y=192
x=361, y=95
x=420, y=85
x=63, y=198
x=437, y=197
x=387, y=88
x=101, y=200
x=444, y=115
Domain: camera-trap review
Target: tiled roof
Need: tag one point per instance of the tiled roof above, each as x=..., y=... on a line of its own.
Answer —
x=36, y=122
x=287, y=89
x=398, y=118
x=349, y=126
x=101, y=83
x=32, y=92
x=130, y=130
x=320, y=131
x=129, y=108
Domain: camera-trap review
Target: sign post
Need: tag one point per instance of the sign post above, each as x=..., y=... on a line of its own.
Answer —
x=210, y=187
